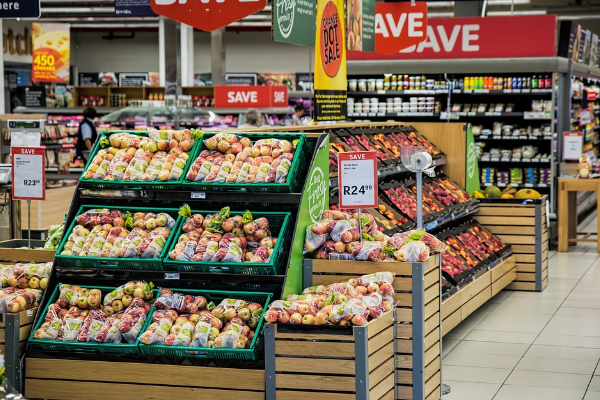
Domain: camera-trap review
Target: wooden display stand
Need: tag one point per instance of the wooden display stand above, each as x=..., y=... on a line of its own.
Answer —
x=524, y=226
x=98, y=380
x=567, y=211
x=417, y=319
x=10, y=251
x=469, y=298
x=354, y=362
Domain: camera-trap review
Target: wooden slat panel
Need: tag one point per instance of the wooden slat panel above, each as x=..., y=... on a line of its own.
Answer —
x=378, y=357
x=451, y=304
x=404, y=377
x=403, y=315
x=519, y=221
x=144, y=373
x=403, y=346
x=473, y=288
x=499, y=270
x=298, y=395
x=403, y=299
x=432, y=338
x=334, y=383
x=327, y=279
x=404, y=393
x=311, y=336
x=432, y=307
x=522, y=248
x=525, y=258
x=379, y=324
x=431, y=293
x=57, y=389
x=544, y=283
x=431, y=278
x=517, y=239
x=545, y=274
x=505, y=211
x=378, y=341
x=314, y=349
x=389, y=395
x=382, y=388
x=451, y=321
x=432, y=323
x=525, y=277
x=526, y=267
x=382, y=372
x=25, y=317
x=476, y=302
x=323, y=366
x=432, y=353
x=24, y=332
x=527, y=286
x=510, y=230
x=504, y=281
x=433, y=383
x=435, y=395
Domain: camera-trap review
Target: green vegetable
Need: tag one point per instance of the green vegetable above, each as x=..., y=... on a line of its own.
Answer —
x=415, y=236
x=104, y=142
x=185, y=211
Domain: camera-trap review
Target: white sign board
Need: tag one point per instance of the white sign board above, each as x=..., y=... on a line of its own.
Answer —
x=572, y=145
x=29, y=174
x=357, y=179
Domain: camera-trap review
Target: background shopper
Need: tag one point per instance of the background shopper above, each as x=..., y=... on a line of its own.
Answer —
x=252, y=119
x=87, y=133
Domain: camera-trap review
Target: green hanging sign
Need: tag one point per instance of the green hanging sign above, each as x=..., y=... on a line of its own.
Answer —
x=294, y=21
x=315, y=200
x=472, y=167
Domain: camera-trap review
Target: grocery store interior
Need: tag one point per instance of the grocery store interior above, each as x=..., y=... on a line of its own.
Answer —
x=386, y=199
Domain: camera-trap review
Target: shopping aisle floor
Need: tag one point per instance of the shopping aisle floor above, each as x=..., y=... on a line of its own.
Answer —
x=530, y=346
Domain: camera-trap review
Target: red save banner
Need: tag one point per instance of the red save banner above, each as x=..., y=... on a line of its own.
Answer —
x=399, y=25
x=207, y=15
x=251, y=96
x=480, y=37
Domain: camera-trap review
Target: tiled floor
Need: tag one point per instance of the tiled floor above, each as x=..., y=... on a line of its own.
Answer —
x=530, y=346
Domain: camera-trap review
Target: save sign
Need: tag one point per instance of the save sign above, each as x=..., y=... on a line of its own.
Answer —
x=399, y=25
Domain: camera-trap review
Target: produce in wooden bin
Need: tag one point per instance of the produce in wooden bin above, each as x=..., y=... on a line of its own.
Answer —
x=22, y=285
x=112, y=233
x=190, y=321
x=224, y=238
x=354, y=302
x=337, y=237
x=232, y=159
x=77, y=314
x=161, y=156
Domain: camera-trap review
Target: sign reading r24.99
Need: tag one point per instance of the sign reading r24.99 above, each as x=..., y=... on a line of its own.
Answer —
x=357, y=179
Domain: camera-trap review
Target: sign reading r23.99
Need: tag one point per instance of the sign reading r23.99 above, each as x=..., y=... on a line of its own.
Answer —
x=357, y=179
x=28, y=173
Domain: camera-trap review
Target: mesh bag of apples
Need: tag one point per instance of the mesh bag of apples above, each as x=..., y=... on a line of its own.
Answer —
x=112, y=233
x=354, y=302
x=190, y=321
x=232, y=159
x=22, y=286
x=161, y=156
x=337, y=237
x=77, y=314
x=223, y=238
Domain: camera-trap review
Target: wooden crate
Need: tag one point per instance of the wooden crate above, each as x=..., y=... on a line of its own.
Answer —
x=10, y=251
x=524, y=226
x=417, y=317
x=354, y=362
x=13, y=326
x=486, y=285
x=47, y=378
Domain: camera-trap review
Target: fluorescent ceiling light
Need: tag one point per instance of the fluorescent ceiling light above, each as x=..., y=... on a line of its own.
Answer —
x=440, y=14
x=508, y=13
x=490, y=3
x=577, y=17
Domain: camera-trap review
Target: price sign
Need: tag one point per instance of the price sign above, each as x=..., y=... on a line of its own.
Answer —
x=357, y=179
x=28, y=173
x=572, y=145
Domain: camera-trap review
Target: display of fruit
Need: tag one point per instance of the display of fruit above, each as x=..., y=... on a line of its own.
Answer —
x=453, y=263
x=527, y=194
x=113, y=233
x=354, y=302
x=54, y=234
x=77, y=315
x=14, y=299
x=232, y=159
x=161, y=156
x=190, y=321
x=22, y=285
x=224, y=238
x=492, y=192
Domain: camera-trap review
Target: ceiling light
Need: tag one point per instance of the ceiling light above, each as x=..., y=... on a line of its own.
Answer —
x=507, y=2
x=440, y=14
x=508, y=13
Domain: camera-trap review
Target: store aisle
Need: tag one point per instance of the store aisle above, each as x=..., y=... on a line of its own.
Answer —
x=529, y=346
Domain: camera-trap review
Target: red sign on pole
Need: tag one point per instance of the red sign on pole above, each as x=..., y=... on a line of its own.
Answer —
x=28, y=173
x=357, y=179
x=251, y=96
x=399, y=25
x=479, y=37
x=207, y=15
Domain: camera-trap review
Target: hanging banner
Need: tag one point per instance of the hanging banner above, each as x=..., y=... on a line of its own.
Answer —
x=399, y=25
x=51, y=53
x=133, y=8
x=479, y=37
x=251, y=96
x=20, y=9
x=330, y=62
x=360, y=25
x=294, y=21
x=207, y=15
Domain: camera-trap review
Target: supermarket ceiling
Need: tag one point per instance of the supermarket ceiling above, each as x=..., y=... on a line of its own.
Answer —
x=100, y=13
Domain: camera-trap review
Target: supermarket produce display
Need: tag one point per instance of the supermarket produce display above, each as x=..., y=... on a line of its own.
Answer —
x=22, y=286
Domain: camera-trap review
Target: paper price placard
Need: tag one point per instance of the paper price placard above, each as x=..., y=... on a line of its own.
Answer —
x=572, y=145
x=28, y=173
x=357, y=179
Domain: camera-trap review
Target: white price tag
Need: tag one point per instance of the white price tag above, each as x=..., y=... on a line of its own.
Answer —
x=172, y=275
x=29, y=175
x=357, y=179
x=198, y=195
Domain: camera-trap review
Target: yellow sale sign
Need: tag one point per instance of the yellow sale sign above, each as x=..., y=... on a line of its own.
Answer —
x=51, y=52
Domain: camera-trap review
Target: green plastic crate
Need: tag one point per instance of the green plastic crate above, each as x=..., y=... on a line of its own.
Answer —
x=294, y=179
x=215, y=296
x=131, y=185
x=154, y=264
x=280, y=225
x=87, y=347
